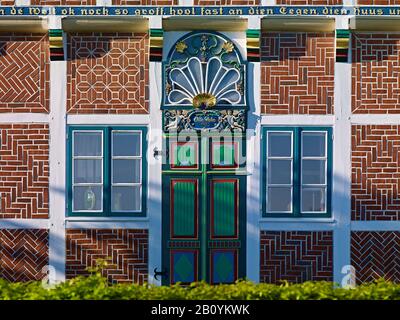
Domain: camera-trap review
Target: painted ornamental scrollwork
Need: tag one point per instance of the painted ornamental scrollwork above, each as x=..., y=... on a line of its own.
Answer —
x=204, y=85
x=217, y=120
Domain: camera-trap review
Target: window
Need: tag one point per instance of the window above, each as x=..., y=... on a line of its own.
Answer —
x=297, y=171
x=107, y=171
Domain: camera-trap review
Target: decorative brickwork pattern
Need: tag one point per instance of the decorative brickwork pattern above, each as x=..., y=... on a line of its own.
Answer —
x=375, y=172
x=310, y=2
x=24, y=72
x=226, y=2
x=297, y=73
x=24, y=171
x=23, y=254
x=108, y=73
x=296, y=256
x=378, y=2
x=375, y=73
x=63, y=2
x=125, y=250
x=144, y=2
x=375, y=255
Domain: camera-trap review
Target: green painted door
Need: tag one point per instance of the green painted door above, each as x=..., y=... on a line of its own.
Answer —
x=204, y=209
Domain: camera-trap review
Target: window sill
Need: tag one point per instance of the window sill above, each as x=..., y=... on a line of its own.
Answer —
x=297, y=220
x=107, y=219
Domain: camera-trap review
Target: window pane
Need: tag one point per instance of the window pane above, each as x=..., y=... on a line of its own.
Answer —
x=87, y=144
x=280, y=199
x=126, y=170
x=313, y=172
x=126, y=198
x=126, y=143
x=279, y=144
x=87, y=198
x=87, y=171
x=313, y=199
x=313, y=144
x=279, y=171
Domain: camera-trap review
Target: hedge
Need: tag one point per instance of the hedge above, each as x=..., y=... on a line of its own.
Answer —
x=95, y=287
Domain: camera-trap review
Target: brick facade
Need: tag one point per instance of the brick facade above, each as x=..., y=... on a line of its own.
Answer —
x=24, y=72
x=375, y=73
x=310, y=2
x=226, y=2
x=7, y=2
x=144, y=2
x=376, y=255
x=24, y=254
x=63, y=2
x=378, y=2
x=125, y=249
x=375, y=172
x=108, y=73
x=24, y=171
x=296, y=256
x=297, y=73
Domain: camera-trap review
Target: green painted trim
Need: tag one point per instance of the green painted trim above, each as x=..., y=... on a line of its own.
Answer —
x=296, y=210
x=107, y=172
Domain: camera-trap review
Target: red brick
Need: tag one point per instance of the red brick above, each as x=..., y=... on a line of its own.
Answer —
x=297, y=73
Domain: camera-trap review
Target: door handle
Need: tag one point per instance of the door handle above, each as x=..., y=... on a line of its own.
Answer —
x=163, y=273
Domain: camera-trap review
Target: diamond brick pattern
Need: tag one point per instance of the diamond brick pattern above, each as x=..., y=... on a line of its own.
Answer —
x=297, y=73
x=375, y=73
x=296, y=256
x=376, y=255
x=24, y=171
x=23, y=254
x=108, y=73
x=310, y=2
x=24, y=72
x=226, y=2
x=125, y=249
x=63, y=2
x=375, y=172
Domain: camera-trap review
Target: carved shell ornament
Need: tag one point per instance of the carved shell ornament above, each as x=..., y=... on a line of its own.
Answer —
x=204, y=89
x=204, y=71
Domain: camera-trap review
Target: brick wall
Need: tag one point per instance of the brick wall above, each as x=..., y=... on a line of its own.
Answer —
x=7, y=2
x=144, y=2
x=296, y=256
x=375, y=172
x=378, y=2
x=108, y=73
x=125, y=249
x=226, y=2
x=375, y=73
x=24, y=254
x=63, y=2
x=310, y=2
x=24, y=72
x=376, y=255
x=24, y=171
x=297, y=73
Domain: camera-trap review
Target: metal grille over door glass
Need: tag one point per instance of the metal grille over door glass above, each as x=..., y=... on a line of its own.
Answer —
x=126, y=175
x=313, y=171
x=279, y=171
x=87, y=168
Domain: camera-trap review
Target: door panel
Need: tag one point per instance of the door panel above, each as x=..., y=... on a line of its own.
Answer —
x=224, y=208
x=184, y=208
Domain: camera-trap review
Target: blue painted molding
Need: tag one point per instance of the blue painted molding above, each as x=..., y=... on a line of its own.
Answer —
x=207, y=11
